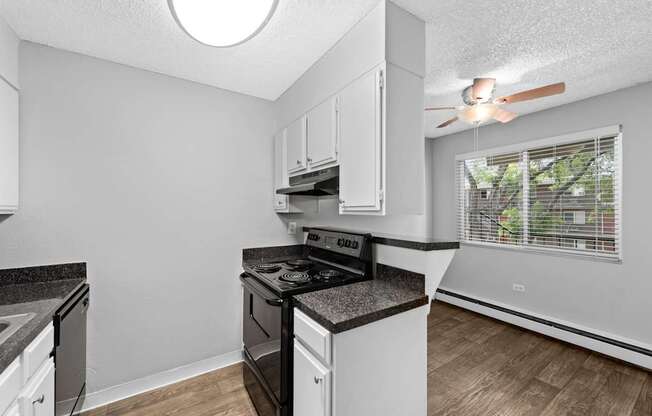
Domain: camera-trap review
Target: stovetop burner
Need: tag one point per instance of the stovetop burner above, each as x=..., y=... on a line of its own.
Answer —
x=299, y=264
x=267, y=267
x=329, y=274
x=295, y=277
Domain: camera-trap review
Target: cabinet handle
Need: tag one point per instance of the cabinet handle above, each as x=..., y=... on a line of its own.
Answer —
x=318, y=379
x=309, y=159
x=342, y=201
x=39, y=400
x=298, y=162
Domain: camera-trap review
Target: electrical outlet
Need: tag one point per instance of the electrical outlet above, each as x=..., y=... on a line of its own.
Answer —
x=518, y=288
x=292, y=227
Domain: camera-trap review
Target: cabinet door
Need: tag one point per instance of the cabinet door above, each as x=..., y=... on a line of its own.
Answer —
x=312, y=384
x=361, y=144
x=8, y=148
x=38, y=397
x=296, y=146
x=280, y=170
x=321, y=134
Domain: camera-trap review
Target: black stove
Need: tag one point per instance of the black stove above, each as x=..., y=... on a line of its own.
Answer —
x=331, y=259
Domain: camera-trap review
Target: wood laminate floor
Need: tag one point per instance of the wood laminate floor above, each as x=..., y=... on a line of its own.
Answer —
x=476, y=366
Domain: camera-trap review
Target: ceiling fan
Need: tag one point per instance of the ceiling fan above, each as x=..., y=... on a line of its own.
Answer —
x=481, y=106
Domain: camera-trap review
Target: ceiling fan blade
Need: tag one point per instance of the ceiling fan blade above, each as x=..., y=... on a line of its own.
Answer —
x=447, y=122
x=532, y=94
x=439, y=108
x=483, y=88
x=504, y=116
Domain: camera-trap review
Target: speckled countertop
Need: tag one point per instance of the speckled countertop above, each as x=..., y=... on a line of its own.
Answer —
x=37, y=290
x=342, y=308
x=411, y=242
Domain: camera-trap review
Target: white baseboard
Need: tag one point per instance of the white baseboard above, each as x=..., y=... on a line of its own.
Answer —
x=158, y=380
x=606, y=348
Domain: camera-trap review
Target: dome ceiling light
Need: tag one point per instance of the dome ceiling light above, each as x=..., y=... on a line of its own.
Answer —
x=222, y=23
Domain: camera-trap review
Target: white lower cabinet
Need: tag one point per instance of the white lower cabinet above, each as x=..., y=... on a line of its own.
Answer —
x=378, y=369
x=27, y=385
x=312, y=381
x=37, y=399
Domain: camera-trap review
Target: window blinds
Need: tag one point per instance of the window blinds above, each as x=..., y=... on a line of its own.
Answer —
x=560, y=194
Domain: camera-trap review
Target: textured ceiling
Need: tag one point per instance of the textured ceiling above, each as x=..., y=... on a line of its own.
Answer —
x=143, y=34
x=595, y=46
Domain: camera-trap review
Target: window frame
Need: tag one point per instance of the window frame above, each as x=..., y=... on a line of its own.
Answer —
x=602, y=132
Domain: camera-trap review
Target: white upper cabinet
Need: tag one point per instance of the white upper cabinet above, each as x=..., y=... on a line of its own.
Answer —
x=280, y=171
x=361, y=126
x=322, y=134
x=8, y=148
x=285, y=204
x=296, y=146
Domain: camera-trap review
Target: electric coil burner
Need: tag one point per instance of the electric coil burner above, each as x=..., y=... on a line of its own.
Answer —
x=299, y=264
x=295, y=277
x=331, y=258
x=267, y=267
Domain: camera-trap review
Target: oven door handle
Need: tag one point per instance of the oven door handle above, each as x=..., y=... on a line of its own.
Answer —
x=260, y=290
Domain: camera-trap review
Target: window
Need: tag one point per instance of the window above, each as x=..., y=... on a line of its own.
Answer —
x=558, y=194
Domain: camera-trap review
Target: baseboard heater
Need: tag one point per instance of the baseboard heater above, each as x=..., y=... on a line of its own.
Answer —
x=553, y=324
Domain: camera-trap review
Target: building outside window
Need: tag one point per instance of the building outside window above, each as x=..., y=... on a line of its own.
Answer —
x=560, y=194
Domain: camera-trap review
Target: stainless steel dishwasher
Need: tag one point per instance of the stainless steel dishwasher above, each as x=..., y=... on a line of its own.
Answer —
x=70, y=353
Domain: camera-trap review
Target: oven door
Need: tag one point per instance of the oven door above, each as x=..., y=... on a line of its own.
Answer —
x=261, y=333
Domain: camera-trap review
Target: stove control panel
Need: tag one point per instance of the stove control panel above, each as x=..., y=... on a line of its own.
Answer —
x=339, y=242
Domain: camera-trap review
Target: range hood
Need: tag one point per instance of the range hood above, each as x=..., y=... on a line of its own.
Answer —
x=319, y=183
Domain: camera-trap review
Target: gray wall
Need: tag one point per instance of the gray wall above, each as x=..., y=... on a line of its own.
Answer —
x=157, y=183
x=614, y=298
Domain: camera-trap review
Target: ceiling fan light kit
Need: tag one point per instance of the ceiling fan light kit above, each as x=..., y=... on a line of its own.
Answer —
x=478, y=113
x=480, y=105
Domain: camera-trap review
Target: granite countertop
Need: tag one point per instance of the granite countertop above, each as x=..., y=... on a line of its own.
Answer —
x=411, y=242
x=342, y=308
x=37, y=290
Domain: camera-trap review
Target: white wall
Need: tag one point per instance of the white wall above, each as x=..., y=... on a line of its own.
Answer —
x=157, y=183
x=359, y=50
x=613, y=298
x=8, y=54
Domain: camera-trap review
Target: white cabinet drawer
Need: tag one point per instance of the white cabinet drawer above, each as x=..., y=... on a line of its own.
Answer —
x=37, y=399
x=11, y=380
x=313, y=336
x=37, y=352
